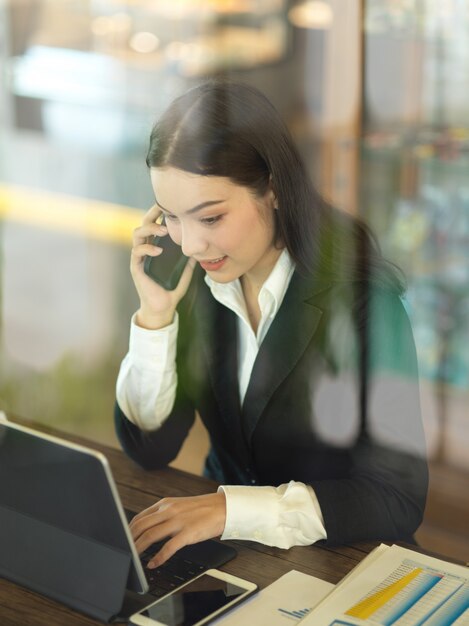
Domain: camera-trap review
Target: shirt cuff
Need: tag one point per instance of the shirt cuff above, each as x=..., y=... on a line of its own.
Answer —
x=282, y=516
x=146, y=347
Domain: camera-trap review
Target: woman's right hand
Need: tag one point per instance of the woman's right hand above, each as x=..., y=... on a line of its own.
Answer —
x=157, y=305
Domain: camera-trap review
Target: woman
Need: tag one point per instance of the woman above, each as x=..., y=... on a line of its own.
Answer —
x=286, y=333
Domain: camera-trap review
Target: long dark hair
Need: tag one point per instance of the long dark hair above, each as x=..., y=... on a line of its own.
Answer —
x=231, y=130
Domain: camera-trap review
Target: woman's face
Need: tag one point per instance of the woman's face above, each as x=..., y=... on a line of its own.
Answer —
x=228, y=230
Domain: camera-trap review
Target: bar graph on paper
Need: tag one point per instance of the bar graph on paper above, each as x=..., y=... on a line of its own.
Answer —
x=413, y=595
x=294, y=614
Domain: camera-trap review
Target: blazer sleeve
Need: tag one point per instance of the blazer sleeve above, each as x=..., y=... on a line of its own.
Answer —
x=384, y=495
x=155, y=449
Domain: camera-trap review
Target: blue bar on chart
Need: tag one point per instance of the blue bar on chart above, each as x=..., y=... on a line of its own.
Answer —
x=454, y=608
x=415, y=591
x=296, y=614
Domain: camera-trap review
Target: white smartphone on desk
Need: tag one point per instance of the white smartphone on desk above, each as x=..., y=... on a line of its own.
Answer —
x=197, y=602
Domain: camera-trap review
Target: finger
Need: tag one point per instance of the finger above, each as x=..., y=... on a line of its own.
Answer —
x=186, y=278
x=154, y=534
x=168, y=550
x=144, y=231
x=143, y=515
x=151, y=509
x=149, y=522
x=138, y=255
x=147, y=515
x=145, y=249
x=152, y=214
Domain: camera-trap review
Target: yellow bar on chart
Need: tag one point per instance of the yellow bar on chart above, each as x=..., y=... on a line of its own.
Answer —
x=368, y=606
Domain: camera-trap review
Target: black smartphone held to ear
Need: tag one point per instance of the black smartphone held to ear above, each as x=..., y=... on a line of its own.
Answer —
x=167, y=267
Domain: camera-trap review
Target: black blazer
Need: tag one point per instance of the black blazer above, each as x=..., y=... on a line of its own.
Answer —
x=333, y=402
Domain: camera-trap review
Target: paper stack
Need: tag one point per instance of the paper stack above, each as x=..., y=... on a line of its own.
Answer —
x=394, y=586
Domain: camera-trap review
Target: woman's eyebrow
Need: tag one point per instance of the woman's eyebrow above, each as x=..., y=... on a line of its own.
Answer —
x=198, y=207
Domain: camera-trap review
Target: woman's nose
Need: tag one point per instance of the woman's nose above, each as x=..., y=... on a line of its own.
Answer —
x=192, y=243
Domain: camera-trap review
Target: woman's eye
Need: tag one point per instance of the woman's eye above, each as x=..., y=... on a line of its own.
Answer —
x=211, y=220
x=171, y=218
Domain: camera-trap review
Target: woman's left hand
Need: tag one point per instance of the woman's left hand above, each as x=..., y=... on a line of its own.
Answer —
x=184, y=520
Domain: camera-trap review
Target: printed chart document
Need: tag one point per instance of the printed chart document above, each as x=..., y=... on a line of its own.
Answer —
x=283, y=603
x=394, y=586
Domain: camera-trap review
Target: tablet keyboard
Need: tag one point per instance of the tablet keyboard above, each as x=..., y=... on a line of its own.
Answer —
x=175, y=572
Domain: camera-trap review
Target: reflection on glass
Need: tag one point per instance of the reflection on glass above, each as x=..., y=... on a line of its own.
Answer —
x=416, y=154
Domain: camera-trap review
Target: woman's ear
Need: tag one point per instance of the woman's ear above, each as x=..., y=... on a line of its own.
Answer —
x=271, y=195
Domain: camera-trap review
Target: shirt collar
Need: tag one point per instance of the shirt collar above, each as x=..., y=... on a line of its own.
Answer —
x=271, y=294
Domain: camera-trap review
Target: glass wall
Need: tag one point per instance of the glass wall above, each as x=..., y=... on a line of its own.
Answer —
x=82, y=82
x=415, y=190
x=374, y=92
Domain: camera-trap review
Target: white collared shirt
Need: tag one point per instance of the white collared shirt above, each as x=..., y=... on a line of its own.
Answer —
x=270, y=298
x=281, y=516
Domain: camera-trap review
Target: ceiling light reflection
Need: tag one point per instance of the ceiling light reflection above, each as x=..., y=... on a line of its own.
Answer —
x=144, y=42
x=311, y=14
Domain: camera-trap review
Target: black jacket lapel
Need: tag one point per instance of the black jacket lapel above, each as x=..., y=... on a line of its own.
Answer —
x=289, y=335
x=218, y=328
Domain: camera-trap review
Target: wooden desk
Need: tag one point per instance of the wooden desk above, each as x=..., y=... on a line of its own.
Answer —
x=139, y=489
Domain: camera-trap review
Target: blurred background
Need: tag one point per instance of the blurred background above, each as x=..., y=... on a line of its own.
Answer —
x=375, y=94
